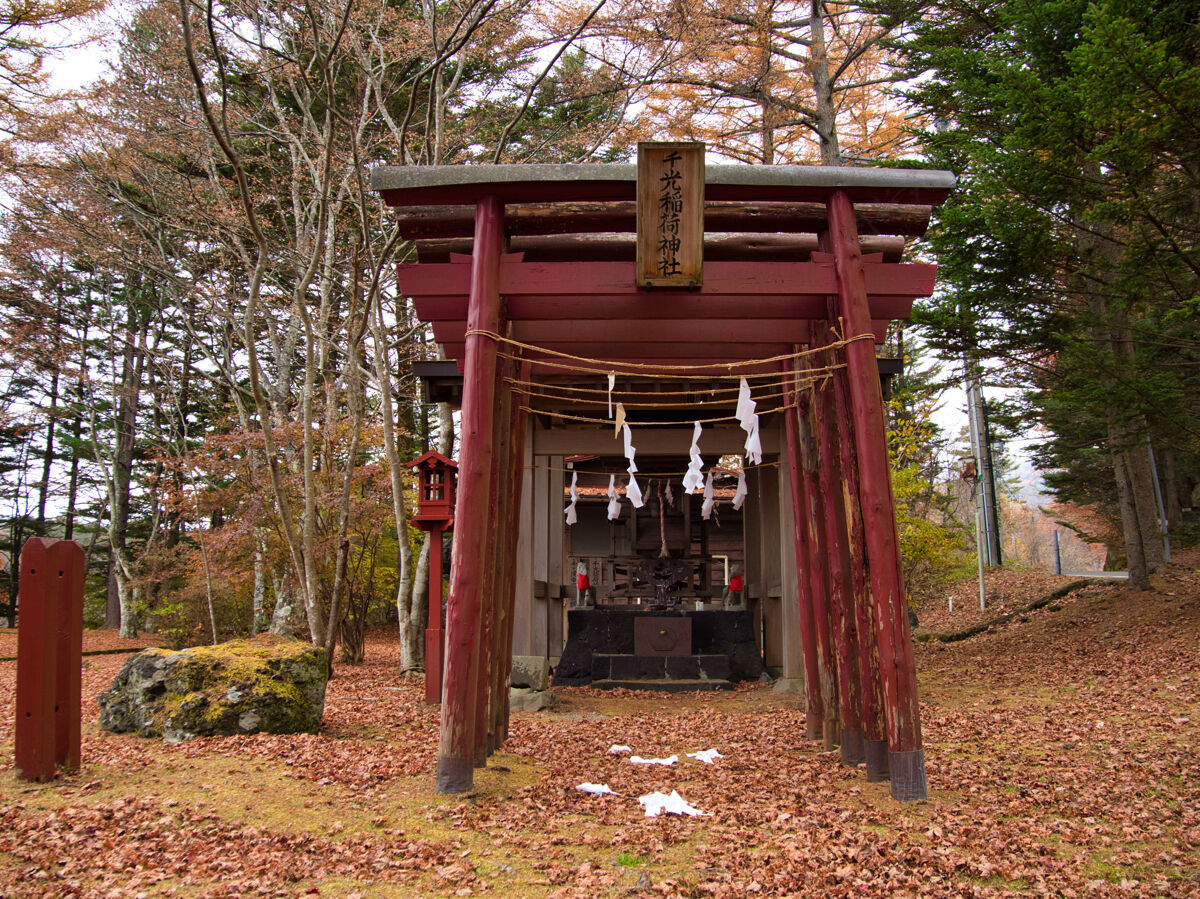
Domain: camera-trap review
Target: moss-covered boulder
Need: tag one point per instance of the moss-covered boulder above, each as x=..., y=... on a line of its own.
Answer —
x=268, y=684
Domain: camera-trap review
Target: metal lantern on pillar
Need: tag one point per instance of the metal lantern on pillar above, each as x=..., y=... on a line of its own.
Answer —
x=437, y=483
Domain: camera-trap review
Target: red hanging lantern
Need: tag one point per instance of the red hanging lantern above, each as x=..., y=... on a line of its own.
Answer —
x=437, y=485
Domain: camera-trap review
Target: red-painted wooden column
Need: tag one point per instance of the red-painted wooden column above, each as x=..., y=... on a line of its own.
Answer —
x=36, y=671
x=819, y=576
x=49, y=658
x=510, y=527
x=456, y=747
x=875, y=745
x=841, y=596
x=906, y=758
x=490, y=661
x=814, y=707
x=817, y=571
x=435, y=636
x=67, y=562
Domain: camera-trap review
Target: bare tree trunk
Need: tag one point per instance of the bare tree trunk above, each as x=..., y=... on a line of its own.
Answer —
x=48, y=453
x=77, y=432
x=1135, y=557
x=412, y=642
x=126, y=595
x=212, y=616
x=1141, y=476
x=260, y=588
x=112, y=603
x=826, y=119
x=1170, y=488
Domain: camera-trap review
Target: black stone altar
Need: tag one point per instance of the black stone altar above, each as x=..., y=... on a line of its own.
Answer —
x=601, y=651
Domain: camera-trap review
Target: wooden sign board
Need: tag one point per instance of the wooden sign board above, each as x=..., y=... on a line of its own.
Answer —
x=670, y=215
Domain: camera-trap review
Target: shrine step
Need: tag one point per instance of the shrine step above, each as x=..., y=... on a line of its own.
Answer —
x=664, y=684
x=607, y=666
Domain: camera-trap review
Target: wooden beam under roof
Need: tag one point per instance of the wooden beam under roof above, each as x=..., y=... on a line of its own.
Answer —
x=616, y=279
x=610, y=247
x=763, y=217
x=636, y=308
x=712, y=353
x=652, y=331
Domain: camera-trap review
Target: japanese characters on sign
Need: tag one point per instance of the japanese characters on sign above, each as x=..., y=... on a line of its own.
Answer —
x=670, y=215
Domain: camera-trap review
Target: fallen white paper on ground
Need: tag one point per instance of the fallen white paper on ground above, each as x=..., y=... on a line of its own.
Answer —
x=597, y=789
x=705, y=755
x=638, y=760
x=617, y=749
x=657, y=803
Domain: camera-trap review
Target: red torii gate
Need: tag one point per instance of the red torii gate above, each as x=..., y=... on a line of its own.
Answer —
x=548, y=265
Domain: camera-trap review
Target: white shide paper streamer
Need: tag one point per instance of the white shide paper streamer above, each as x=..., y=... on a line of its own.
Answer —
x=614, y=500
x=570, y=510
x=633, y=492
x=748, y=419
x=693, y=479
x=739, y=495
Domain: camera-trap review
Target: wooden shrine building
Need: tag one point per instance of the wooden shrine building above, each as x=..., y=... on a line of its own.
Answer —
x=619, y=328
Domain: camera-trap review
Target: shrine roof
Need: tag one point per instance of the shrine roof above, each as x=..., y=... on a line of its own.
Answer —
x=416, y=185
x=568, y=278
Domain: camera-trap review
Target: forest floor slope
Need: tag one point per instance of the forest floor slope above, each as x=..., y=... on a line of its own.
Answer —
x=1063, y=752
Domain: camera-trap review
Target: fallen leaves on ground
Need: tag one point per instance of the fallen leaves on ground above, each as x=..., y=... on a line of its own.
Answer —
x=1062, y=756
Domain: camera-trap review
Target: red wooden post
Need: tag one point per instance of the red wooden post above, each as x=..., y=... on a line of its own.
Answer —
x=814, y=708
x=495, y=714
x=435, y=637
x=36, y=668
x=906, y=758
x=457, y=738
x=874, y=729
x=875, y=747
x=49, y=657
x=436, y=480
x=485, y=734
x=841, y=596
x=66, y=558
x=818, y=573
x=513, y=524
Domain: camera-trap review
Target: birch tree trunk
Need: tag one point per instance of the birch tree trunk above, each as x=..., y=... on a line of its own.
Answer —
x=260, y=588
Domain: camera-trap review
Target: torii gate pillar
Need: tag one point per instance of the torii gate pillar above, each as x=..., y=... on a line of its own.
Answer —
x=460, y=684
x=906, y=758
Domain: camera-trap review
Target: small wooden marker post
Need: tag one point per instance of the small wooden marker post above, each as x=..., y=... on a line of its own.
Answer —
x=49, y=658
x=437, y=480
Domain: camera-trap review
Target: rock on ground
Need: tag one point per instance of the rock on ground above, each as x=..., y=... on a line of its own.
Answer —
x=530, y=671
x=521, y=699
x=267, y=684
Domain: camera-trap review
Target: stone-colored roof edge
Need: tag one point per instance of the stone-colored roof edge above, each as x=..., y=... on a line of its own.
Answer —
x=816, y=176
